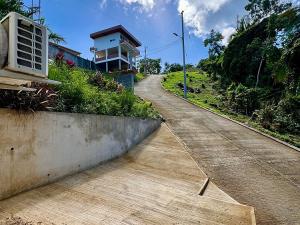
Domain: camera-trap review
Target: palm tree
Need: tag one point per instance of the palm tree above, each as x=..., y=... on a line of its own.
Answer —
x=53, y=37
x=56, y=38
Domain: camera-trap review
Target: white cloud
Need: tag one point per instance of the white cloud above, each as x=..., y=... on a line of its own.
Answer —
x=200, y=15
x=227, y=32
x=196, y=13
x=203, y=15
x=146, y=5
x=102, y=3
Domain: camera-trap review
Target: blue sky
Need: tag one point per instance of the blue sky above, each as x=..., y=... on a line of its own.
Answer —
x=151, y=21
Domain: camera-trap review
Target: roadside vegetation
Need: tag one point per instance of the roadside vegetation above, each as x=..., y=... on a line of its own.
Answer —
x=81, y=91
x=255, y=79
x=152, y=66
x=204, y=92
x=138, y=77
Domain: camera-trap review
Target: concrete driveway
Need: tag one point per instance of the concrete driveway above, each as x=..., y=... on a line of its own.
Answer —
x=156, y=183
x=253, y=169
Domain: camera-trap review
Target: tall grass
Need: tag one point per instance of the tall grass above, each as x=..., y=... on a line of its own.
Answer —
x=84, y=91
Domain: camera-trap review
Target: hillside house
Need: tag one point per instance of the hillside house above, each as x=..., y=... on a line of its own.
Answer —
x=69, y=54
x=115, y=49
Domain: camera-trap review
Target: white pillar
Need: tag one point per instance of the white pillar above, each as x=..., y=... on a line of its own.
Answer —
x=120, y=65
x=106, y=67
x=106, y=54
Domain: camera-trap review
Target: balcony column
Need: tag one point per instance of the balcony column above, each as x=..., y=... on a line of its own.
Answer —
x=134, y=61
x=106, y=54
x=120, y=65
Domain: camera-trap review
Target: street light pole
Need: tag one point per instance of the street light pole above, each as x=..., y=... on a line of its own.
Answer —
x=146, y=64
x=183, y=49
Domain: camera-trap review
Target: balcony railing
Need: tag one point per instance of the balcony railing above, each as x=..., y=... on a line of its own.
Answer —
x=113, y=55
x=125, y=44
x=100, y=59
x=124, y=57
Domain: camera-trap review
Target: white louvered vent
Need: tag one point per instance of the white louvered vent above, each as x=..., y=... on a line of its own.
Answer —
x=28, y=45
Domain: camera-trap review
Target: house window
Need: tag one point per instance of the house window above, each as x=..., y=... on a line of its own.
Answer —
x=100, y=56
x=124, y=53
x=113, y=52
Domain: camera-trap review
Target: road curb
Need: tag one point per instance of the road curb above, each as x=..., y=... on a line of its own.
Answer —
x=237, y=122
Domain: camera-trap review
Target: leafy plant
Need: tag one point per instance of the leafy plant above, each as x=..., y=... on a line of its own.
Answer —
x=242, y=99
x=84, y=91
x=44, y=98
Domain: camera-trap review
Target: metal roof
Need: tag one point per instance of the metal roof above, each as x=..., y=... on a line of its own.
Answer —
x=73, y=52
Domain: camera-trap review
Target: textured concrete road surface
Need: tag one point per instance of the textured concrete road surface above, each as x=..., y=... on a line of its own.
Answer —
x=251, y=168
x=156, y=183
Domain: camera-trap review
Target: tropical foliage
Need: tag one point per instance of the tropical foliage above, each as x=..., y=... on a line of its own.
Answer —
x=256, y=77
x=18, y=6
x=81, y=91
x=153, y=66
x=169, y=68
x=259, y=71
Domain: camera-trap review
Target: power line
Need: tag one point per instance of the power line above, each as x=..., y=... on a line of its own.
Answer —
x=163, y=48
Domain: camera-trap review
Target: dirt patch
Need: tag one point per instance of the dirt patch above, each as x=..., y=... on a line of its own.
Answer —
x=15, y=220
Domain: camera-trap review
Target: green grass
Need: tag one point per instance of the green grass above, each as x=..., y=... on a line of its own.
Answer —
x=205, y=99
x=78, y=94
x=211, y=99
x=138, y=77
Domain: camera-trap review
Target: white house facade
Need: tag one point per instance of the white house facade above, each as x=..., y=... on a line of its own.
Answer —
x=115, y=49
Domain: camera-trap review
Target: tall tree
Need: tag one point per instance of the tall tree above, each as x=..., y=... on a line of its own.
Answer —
x=259, y=9
x=174, y=67
x=152, y=66
x=214, y=41
x=167, y=67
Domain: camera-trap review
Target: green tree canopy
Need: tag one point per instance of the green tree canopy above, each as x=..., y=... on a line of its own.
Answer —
x=153, y=66
x=174, y=67
x=214, y=42
x=7, y=6
x=259, y=9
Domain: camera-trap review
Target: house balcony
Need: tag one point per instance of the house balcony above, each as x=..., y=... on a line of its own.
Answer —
x=119, y=57
x=107, y=54
x=130, y=48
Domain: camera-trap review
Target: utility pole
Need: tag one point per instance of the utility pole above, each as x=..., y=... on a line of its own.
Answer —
x=145, y=66
x=39, y=11
x=32, y=10
x=183, y=49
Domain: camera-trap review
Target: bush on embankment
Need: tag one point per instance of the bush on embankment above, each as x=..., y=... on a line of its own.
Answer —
x=81, y=91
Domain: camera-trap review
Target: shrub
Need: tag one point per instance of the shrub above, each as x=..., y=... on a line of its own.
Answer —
x=126, y=100
x=288, y=115
x=283, y=117
x=138, y=77
x=103, y=83
x=44, y=98
x=242, y=99
x=86, y=92
x=80, y=91
x=266, y=116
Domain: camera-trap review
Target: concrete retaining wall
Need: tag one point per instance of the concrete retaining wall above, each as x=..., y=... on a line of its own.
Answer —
x=38, y=148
